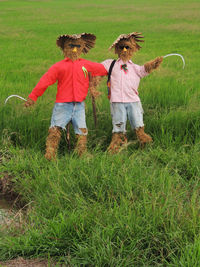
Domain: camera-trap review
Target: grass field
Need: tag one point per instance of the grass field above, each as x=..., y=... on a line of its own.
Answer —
x=137, y=208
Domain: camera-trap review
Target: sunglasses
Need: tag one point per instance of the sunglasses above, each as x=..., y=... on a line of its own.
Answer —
x=124, y=46
x=74, y=45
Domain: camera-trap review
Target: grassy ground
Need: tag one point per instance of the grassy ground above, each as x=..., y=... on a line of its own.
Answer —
x=137, y=208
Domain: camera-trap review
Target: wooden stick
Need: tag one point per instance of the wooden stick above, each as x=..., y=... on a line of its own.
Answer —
x=68, y=136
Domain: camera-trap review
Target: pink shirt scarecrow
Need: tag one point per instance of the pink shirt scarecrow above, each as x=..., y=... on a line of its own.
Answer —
x=124, y=97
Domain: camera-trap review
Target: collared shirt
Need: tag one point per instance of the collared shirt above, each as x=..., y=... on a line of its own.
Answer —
x=124, y=84
x=72, y=78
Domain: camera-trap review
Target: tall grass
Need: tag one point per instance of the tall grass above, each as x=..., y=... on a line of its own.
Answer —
x=137, y=208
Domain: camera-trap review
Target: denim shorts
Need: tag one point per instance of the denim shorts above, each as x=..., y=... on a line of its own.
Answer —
x=120, y=112
x=65, y=112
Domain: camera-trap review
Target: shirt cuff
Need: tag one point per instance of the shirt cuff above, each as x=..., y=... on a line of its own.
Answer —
x=33, y=97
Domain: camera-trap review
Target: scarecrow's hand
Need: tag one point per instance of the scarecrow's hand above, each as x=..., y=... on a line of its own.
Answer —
x=29, y=102
x=153, y=64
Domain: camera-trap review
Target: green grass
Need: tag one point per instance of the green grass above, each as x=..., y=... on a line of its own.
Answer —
x=137, y=208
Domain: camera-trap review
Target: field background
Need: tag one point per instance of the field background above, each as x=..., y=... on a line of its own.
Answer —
x=137, y=208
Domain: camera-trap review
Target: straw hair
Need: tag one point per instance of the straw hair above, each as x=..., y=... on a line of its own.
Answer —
x=135, y=35
x=88, y=38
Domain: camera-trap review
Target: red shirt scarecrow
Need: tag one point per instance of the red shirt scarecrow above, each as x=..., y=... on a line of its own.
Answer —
x=71, y=75
x=124, y=97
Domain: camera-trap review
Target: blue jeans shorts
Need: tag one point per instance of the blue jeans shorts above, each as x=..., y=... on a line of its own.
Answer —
x=65, y=112
x=120, y=112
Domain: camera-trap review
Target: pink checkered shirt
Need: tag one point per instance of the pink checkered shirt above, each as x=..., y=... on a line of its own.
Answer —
x=124, y=85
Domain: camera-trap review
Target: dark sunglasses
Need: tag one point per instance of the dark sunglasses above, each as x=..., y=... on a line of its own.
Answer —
x=124, y=46
x=74, y=45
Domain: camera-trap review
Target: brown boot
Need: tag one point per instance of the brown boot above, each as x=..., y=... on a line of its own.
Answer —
x=142, y=136
x=118, y=140
x=52, y=143
x=81, y=145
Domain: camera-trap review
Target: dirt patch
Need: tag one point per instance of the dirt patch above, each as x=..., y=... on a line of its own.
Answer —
x=20, y=262
x=7, y=190
x=12, y=208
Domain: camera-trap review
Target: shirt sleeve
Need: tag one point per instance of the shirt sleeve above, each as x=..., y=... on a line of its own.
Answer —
x=140, y=70
x=49, y=78
x=97, y=69
x=107, y=63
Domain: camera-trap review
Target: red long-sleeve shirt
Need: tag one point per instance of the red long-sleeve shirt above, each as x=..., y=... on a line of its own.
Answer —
x=72, y=77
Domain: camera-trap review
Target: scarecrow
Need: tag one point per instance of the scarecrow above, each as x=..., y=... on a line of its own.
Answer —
x=123, y=82
x=72, y=77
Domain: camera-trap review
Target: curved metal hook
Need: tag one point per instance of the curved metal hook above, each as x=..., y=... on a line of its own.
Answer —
x=14, y=96
x=175, y=54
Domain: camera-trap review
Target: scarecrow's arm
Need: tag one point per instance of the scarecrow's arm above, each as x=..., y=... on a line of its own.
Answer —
x=95, y=70
x=93, y=85
x=49, y=78
x=94, y=93
x=153, y=64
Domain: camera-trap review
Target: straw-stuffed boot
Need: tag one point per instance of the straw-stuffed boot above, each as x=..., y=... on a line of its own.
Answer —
x=52, y=143
x=143, y=137
x=118, y=141
x=81, y=145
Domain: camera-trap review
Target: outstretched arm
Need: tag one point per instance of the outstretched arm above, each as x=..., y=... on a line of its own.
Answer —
x=49, y=78
x=153, y=64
